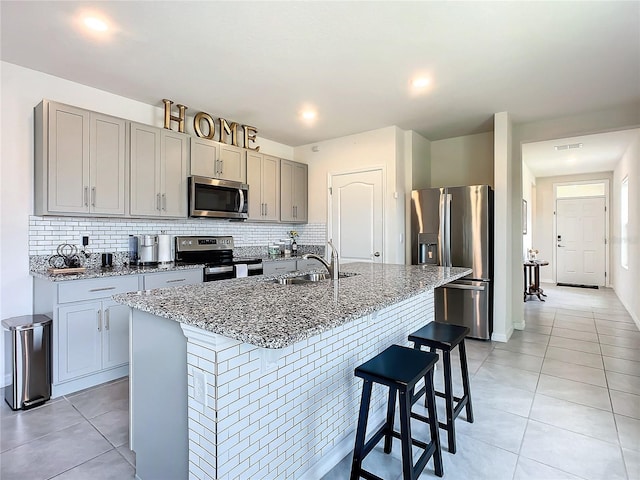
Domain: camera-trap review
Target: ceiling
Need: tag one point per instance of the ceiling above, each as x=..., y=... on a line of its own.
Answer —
x=598, y=153
x=262, y=63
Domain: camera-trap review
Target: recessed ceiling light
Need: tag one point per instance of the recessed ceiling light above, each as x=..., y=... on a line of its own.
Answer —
x=420, y=82
x=309, y=114
x=96, y=24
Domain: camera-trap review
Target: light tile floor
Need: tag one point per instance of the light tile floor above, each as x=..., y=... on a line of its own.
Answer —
x=560, y=400
x=84, y=436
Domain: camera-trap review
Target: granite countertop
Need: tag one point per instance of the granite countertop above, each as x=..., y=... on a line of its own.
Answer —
x=261, y=312
x=115, y=271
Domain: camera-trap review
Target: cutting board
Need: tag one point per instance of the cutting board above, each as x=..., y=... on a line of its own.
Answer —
x=66, y=271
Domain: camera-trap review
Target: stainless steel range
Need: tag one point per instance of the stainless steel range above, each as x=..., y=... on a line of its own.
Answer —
x=217, y=255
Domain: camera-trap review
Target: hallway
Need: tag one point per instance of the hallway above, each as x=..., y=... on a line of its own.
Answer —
x=560, y=400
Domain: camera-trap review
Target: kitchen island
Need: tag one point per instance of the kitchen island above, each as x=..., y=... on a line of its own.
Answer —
x=248, y=378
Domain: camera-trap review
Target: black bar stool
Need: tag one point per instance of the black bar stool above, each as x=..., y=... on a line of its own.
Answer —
x=399, y=368
x=445, y=337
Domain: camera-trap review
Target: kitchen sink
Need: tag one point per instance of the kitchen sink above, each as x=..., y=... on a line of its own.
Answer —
x=309, y=278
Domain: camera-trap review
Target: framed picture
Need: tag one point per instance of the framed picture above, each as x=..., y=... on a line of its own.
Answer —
x=524, y=217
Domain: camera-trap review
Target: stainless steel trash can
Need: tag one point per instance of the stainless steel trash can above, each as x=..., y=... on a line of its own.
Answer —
x=28, y=356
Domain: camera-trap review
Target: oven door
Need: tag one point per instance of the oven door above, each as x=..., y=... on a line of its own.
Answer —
x=211, y=197
x=221, y=272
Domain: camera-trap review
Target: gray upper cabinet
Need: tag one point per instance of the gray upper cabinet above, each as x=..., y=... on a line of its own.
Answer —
x=263, y=177
x=159, y=166
x=80, y=162
x=293, y=192
x=218, y=160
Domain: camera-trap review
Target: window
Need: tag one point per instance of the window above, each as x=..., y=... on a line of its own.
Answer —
x=624, y=223
x=580, y=190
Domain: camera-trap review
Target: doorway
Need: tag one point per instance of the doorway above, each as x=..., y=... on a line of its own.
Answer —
x=581, y=249
x=356, y=215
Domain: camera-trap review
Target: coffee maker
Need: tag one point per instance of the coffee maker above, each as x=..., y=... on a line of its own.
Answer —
x=147, y=249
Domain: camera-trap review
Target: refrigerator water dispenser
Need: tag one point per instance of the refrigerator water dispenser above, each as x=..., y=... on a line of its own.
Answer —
x=428, y=248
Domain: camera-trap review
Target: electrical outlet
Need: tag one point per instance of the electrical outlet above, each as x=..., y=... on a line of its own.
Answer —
x=85, y=241
x=199, y=387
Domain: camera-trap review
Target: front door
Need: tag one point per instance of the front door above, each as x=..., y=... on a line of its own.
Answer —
x=356, y=216
x=580, y=245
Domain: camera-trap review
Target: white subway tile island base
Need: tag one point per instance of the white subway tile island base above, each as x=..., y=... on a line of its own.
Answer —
x=247, y=378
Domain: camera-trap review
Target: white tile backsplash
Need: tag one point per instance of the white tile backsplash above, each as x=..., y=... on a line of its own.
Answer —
x=111, y=235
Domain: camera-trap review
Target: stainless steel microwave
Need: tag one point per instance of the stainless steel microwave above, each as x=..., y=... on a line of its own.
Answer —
x=214, y=198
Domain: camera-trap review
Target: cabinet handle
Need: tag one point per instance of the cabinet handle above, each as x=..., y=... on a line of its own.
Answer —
x=158, y=201
x=103, y=289
x=218, y=171
x=93, y=196
x=86, y=196
x=99, y=320
x=266, y=209
x=176, y=280
x=164, y=201
x=221, y=166
x=106, y=319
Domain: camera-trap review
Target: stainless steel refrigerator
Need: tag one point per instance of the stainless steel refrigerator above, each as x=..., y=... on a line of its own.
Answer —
x=453, y=226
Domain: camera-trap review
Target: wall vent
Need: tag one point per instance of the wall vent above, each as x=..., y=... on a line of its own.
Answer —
x=568, y=146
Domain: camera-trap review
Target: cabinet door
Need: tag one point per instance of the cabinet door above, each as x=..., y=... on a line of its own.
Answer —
x=79, y=340
x=68, y=157
x=145, y=171
x=175, y=164
x=204, y=157
x=115, y=334
x=254, y=180
x=279, y=267
x=233, y=163
x=300, y=189
x=107, y=162
x=271, y=188
x=286, y=191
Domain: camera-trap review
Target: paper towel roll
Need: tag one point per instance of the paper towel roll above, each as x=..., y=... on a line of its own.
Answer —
x=164, y=249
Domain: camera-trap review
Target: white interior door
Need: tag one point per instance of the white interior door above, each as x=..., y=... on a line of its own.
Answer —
x=356, y=209
x=580, y=245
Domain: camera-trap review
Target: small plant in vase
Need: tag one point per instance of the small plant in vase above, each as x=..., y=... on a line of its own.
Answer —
x=533, y=254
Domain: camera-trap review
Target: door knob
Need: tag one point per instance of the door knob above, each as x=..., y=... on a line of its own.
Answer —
x=377, y=254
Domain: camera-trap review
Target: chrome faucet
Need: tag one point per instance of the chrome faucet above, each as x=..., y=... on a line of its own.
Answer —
x=332, y=267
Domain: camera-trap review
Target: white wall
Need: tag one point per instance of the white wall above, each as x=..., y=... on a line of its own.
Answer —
x=545, y=217
x=376, y=148
x=503, y=315
x=626, y=281
x=466, y=160
x=529, y=192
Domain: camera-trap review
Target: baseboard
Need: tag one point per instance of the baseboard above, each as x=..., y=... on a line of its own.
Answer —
x=7, y=380
x=343, y=448
x=519, y=325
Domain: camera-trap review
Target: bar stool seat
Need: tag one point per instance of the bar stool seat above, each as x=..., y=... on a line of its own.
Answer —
x=445, y=337
x=400, y=369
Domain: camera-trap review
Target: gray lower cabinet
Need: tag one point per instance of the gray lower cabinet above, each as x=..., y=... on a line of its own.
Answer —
x=90, y=337
x=279, y=267
x=308, y=264
x=171, y=279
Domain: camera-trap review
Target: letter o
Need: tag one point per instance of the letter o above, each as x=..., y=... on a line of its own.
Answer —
x=197, y=122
